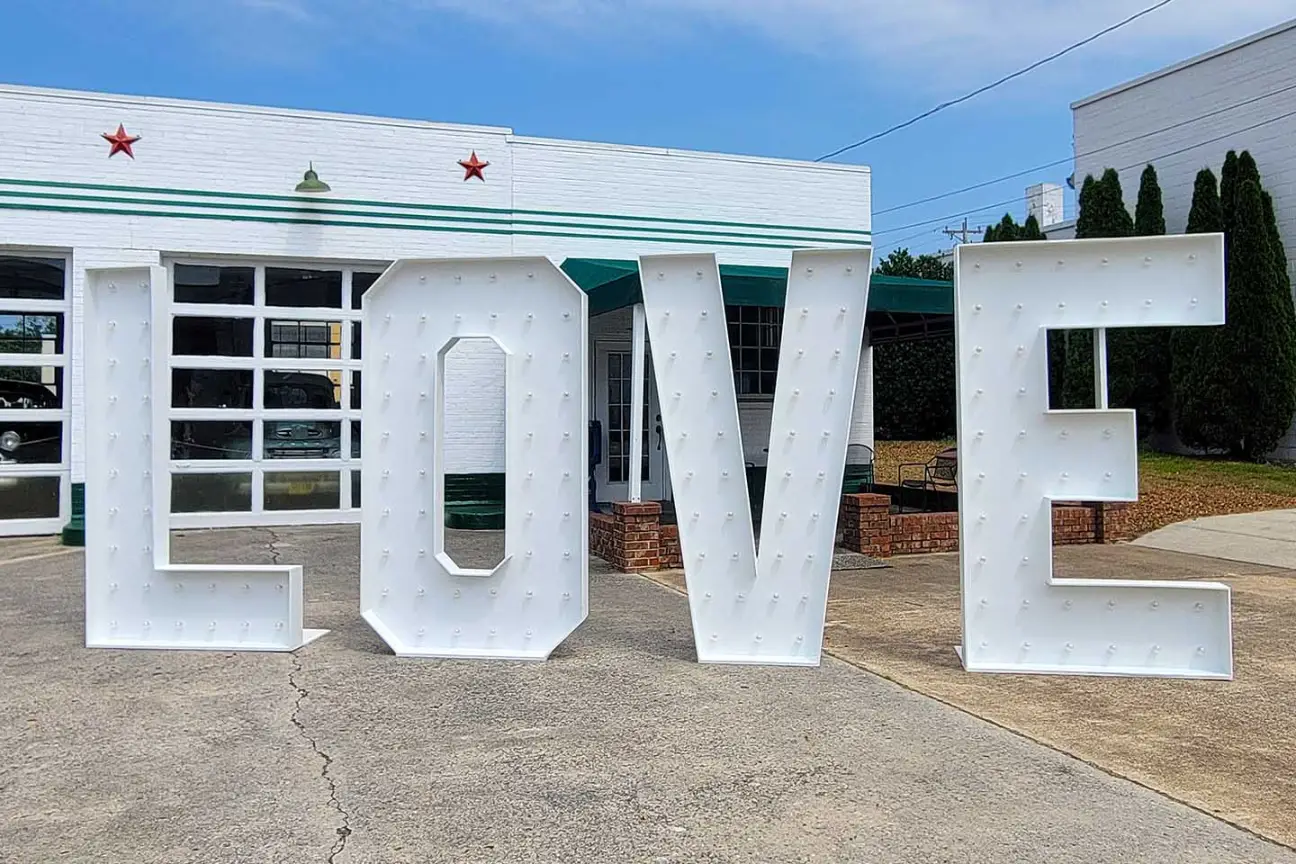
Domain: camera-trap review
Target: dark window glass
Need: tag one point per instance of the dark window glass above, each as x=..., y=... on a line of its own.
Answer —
x=754, y=336
x=355, y=389
x=211, y=439
x=315, y=340
x=355, y=489
x=355, y=340
x=303, y=490
x=355, y=439
x=31, y=443
x=318, y=391
x=303, y=439
x=32, y=387
x=32, y=278
x=211, y=388
x=29, y=498
x=201, y=284
x=212, y=337
x=360, y=283
x=31, y=333
x=211, y=493
x=315, y=288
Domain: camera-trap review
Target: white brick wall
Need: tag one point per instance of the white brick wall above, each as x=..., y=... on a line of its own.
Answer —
x=205, y=179
x=1185, y=92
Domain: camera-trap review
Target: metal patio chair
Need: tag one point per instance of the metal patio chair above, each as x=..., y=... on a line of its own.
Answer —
x=939, y=474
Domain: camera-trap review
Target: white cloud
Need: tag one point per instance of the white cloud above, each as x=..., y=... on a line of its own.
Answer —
x=932, y=42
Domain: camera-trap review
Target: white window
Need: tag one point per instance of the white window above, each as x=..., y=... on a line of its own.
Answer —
x=34, y=409
x=265, y=392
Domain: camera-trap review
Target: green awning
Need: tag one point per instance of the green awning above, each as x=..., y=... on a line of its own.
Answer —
x=613, y=284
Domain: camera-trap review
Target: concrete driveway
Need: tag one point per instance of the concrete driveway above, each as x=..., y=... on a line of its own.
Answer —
x=620, y=748
x=1267, y=538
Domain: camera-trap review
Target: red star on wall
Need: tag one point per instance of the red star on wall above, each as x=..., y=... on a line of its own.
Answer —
x=121, y=142
x=473, y=168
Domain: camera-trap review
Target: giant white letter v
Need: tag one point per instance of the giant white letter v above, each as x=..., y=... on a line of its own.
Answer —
x=745, y=608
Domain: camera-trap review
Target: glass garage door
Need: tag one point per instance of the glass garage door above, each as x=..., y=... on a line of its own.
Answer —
x=265, y=393
x=34, y=409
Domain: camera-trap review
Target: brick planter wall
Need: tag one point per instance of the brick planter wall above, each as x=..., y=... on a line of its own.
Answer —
x=630, y=538
x=867, y=525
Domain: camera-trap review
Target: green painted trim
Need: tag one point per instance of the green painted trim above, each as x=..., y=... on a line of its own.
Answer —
x=402, y=205
x=117, y=211
x=324, y=211
x=74, y=530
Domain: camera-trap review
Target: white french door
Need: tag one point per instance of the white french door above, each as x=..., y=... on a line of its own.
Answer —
x=612, y=402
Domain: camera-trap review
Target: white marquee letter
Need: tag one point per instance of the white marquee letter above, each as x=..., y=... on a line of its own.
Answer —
x=418, y=600
x=748, y=609
x=1017, y=457
x=135, y=598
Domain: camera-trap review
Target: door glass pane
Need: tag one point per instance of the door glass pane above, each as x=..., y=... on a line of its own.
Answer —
x=29, y=497
x=302, y=490
x=211, y=493
x=316, y=288
x=211, y=439
x=32, y=279
x=211, y=337
x=31, y=333
x=31, y=387
x=31, y=443
x=202, y=284
x=619, y=371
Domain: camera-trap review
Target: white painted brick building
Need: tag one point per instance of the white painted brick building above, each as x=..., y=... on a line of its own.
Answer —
x=210, y=194
x=1187, y=116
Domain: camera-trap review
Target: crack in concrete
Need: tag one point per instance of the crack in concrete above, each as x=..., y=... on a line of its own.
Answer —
x=344, y=830
x=272, y=545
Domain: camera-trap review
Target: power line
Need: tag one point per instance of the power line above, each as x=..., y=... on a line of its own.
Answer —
x=1004, y=80
x=1152, y=159
x=1088, y=153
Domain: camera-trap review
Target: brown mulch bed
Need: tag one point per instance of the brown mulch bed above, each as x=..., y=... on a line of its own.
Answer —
x=1171, y=489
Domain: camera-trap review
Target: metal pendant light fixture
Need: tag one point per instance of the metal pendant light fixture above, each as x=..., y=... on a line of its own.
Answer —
x=311, y=182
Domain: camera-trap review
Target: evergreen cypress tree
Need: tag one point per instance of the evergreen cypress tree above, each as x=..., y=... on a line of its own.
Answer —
x=1108, y=218
x=1005, y=231
x=1246, y=371
x=1030, y=229
x=1228, y=189
x=1139, y=358
x=1191, y=407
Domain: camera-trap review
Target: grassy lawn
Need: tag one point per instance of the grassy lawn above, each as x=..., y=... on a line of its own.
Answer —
x=1171, y=488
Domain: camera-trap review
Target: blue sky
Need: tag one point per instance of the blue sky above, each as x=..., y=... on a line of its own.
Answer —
x=786, y=78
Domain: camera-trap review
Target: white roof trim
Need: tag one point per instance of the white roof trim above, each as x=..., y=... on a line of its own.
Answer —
x=1184, y=64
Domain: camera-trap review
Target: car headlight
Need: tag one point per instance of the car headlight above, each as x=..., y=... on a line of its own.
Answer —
x=10, y=441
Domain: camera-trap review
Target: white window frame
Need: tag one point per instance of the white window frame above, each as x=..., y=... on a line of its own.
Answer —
x=53, y=524
x=257, y=467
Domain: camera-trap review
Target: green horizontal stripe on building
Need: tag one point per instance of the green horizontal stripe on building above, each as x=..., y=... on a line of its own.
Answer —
x=508, y=213
x=321, y=209
x=404, y=226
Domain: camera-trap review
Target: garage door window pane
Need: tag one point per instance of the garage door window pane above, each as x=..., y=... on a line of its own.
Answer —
x=31, y=387
x=212, y=337
x=211, y=493
x=200, y=284
x=302, y=490
x=31, y=333
x=29, y=497
x=303, y=439
x=30, y=443
x=32, y=278
x=211, y=439
x=314, y=288
x=211, y=388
